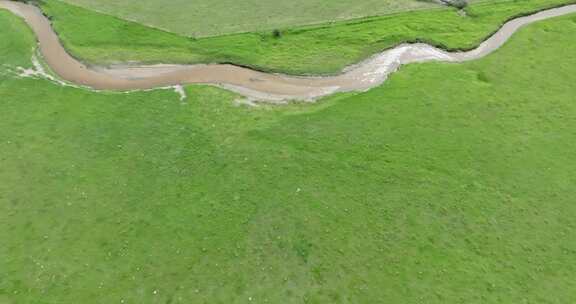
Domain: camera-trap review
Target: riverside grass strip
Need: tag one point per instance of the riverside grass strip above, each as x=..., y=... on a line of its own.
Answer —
x=327, y=49
x=202, y=18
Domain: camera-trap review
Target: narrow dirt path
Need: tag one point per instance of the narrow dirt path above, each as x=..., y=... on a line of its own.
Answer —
x=250, y=83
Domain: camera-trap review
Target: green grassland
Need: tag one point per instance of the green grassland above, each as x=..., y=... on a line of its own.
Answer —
x=451, y=183
x=216, y=17
x=101, y=39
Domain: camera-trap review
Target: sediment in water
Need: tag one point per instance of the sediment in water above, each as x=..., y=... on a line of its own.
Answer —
x=250, y=83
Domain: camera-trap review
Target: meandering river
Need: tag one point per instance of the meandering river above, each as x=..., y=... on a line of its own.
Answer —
x=250, y=83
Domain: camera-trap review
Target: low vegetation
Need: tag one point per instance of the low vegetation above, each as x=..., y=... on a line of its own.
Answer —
x=452, y=183
x=201, y=18
x=459, y=4
x=326, y=49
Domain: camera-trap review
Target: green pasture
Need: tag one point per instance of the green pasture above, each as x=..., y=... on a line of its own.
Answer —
x=200, y=18
x=451, y=183
x=322, y=49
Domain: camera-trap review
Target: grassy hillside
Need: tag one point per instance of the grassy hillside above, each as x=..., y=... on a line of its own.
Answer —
x=324, y=49
x=449, y=184
x=217, y=17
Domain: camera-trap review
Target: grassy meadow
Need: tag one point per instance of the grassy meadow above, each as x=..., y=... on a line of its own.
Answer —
x=325, y=49
x=217, y=17
x=451, y=183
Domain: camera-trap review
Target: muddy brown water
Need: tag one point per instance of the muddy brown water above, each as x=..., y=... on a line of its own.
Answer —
x=250, y=83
